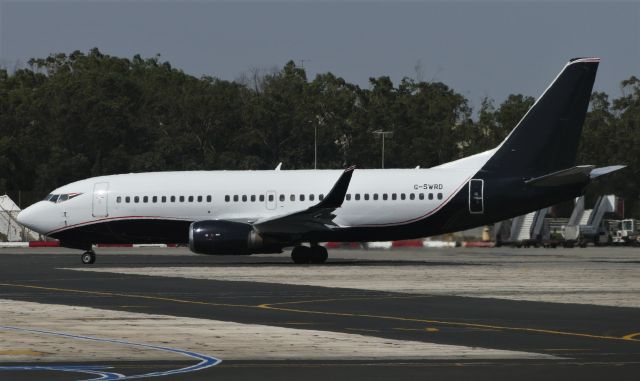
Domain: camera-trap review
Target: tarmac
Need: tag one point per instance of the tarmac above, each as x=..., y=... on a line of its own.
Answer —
x=485, y=313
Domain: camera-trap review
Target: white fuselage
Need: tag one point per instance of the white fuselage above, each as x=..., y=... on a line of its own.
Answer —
x=374, y=198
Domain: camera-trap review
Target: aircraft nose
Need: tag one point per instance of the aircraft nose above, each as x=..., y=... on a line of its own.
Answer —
x=26, y=217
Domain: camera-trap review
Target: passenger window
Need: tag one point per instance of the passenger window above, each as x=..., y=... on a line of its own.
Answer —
x=244, y=198
x=403, y=196
x=439, y=196
x=154, y=199
x=271, y=198
x=421, y=196
x=312, y=197
x=145, y=199
x=227, y=198
x=321, y=197
x=190, y=198
x=181, y=198
x=357, y=196
x=366, y=196
x=412, y=196
x=127, y=199
x=281, y=197
x=199, y=198
x=136, y=199
x=262, y=198
x=430, y=196
x=118, y=199
x=384, y=196
x=253, y=198
x=394, y=196
x=301, y=197
x=235, y=198
x=292, y=197
x=164, y=199
x=348, y=196
x=173, y=198
x=375, y=196
x=209, y=198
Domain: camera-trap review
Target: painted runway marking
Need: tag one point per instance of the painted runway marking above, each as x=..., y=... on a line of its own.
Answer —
x=204, y=360
x=274, y=307
x=631, y=336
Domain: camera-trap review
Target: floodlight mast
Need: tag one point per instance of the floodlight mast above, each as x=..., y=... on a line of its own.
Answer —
x=383, y=134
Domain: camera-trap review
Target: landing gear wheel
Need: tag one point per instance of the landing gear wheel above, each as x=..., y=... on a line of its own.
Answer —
x=88, y=257
x=301, y=254
x=318, y=254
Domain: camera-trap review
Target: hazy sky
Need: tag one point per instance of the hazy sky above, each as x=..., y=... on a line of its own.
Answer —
x=479, y=48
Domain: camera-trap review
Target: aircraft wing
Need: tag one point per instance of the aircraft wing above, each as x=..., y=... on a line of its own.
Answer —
x=317, y=217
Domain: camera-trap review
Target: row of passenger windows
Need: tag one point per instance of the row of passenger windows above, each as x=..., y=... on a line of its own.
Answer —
x=162, y=199
x=271, y=197
x=356, y=197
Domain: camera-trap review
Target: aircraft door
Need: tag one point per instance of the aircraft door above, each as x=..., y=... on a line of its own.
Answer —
x=100, y=200
x=271, y=200
x=476, y=196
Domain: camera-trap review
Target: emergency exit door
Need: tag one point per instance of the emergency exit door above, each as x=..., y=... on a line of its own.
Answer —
x=270, y=201
x=476, y=196
x=100, y=199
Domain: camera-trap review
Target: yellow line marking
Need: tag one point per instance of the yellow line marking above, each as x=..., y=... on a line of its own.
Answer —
x=350, y=299
x=104, y=293
x=428, y=329
x=450, y=323
x=631, y=336
x=362, y=330
x=271, y=306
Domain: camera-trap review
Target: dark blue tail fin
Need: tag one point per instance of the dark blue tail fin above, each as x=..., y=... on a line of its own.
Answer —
x=546, y=139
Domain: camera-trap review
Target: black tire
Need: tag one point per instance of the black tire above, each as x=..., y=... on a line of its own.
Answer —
x=319, y=254
x=88, y=257
x=301, y=255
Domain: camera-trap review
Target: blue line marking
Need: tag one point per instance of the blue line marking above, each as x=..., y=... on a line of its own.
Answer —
x=205, y=361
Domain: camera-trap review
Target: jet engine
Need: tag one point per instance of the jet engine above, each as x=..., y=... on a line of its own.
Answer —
x=227, y=238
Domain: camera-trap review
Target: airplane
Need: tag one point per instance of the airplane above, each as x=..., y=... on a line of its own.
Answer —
x=265, y=211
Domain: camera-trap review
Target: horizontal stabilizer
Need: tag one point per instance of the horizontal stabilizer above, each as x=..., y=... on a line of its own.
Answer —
x=605, y=170
x=567, y=176
x=574, y=175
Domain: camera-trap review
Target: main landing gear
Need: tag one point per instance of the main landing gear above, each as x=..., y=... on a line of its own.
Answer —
x=88, y=257
x=305, y=254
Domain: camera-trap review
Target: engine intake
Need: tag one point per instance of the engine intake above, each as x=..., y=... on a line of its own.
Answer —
x=226, y=238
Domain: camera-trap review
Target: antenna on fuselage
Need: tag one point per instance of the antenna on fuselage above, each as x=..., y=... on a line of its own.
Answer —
x=278, y=166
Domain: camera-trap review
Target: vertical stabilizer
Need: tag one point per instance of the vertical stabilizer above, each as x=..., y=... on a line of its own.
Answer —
x=546, y=138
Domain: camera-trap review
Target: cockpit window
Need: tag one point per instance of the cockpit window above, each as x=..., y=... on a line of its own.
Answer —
x=55, y=198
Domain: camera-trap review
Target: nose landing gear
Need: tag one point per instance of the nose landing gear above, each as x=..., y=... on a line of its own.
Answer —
x=88, y=257
x=314, y=254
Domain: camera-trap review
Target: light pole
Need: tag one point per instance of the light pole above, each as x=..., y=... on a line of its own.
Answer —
x=315, y=146
x=383, y=134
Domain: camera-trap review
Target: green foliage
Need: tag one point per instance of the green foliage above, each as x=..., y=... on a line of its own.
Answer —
x=68, y=117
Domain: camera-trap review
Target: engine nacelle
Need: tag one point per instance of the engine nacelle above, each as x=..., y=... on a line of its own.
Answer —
x=226, y=238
